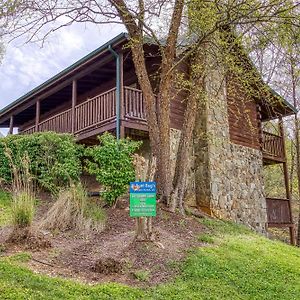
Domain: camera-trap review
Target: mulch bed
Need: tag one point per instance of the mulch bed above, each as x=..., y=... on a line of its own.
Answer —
x=112, y=255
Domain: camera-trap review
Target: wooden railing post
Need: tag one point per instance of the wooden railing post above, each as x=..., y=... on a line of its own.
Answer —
x=74, y=102
x=286, y=182
x=37, y=115
x=122, y=128
x=11, y=125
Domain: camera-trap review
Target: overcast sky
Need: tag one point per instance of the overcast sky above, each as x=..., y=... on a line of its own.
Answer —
x=25, y=66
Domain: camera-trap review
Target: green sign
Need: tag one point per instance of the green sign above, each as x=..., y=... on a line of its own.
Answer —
x=142, y=199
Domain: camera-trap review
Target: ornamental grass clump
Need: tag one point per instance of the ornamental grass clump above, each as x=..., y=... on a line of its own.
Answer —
x=22, y=209
x=23, y=193
x=74, y=211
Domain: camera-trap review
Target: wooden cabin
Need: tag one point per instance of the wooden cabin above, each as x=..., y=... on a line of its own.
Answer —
x=101, y=93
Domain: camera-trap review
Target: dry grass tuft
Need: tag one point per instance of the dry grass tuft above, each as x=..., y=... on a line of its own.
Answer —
x=72, y=211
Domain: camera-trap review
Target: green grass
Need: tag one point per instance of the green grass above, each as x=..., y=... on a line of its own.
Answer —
x=206, y=238
x=239, y=265
x=95, y=212
x=5, y=208
x=141, y=275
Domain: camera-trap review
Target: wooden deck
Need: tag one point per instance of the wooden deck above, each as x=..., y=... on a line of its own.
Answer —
x=273, y=148
x=279, y=212
x=97, y=115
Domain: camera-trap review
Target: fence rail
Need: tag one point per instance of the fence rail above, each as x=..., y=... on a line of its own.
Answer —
x=61, y=123
x=29, y=130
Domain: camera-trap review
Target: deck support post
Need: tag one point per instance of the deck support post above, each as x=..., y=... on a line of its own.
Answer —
x=119, y=66
x=121, y=70
x=37, y=114
x=74, y=102
x=286, y=182
x=11, y=125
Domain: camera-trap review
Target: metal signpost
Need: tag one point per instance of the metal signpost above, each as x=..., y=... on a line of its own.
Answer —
x=143, y=199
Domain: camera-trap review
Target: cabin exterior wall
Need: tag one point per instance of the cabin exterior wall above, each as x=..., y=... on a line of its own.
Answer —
x=243, y=115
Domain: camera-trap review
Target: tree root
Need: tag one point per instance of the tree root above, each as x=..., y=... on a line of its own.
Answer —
x=197, y=213
x=42, y=262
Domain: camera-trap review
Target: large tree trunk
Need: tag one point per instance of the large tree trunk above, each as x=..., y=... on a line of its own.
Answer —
x=158, y=110
x=297, y=141
x=292, y=169
x=297, y=144
x=195, y=97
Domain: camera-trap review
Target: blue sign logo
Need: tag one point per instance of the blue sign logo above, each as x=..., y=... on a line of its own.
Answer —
x=143, y=187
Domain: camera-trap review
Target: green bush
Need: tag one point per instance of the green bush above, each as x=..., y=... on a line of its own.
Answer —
x=112, y=164
x=55, y=159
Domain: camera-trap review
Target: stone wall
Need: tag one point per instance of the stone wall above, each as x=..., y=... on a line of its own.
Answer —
x=228, y=177
x=237, y=192
x=225, y=179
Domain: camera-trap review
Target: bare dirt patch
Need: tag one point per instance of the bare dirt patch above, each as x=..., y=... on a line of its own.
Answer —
x=112, y=255
x=28, y=239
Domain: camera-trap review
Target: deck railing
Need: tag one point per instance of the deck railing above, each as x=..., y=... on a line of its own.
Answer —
x=95, y=112
x=278, y=211
x=134, y=106
x=273, y=145
x=29, y=130
x=61, y=123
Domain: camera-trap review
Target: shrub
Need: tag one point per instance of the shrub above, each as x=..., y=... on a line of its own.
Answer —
x=55, y=158
x=73, y=211
x=112, y=164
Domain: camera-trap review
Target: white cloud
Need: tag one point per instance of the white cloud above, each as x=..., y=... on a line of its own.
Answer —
x=27, y=65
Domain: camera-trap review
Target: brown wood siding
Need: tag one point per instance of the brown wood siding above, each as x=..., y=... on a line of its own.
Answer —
x=178, y=103
x=177, y=111
x=244, y=123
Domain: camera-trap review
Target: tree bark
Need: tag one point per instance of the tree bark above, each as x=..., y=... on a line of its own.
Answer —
x=181, y=168
x=158, y=110
x=292, y=168
x=164, y=100
x=297, y=142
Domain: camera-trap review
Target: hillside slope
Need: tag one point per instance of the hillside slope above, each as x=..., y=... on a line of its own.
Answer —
x=235, y=264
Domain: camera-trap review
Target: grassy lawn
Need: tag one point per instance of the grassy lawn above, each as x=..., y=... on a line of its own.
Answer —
x=235, y=264
x=5, y=211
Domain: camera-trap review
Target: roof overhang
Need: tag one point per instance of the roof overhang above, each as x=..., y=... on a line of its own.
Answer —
x=61, y=79
x=272, y=104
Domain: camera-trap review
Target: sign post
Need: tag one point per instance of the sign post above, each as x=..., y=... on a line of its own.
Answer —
x=143, y=208
x=143, y=199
